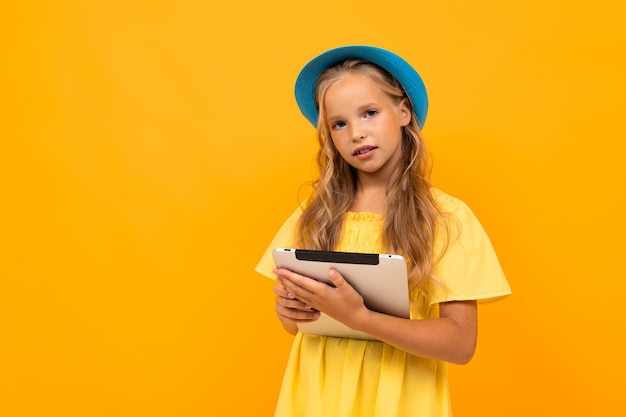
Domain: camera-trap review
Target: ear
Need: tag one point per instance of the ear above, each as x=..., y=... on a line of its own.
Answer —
x=405, y=112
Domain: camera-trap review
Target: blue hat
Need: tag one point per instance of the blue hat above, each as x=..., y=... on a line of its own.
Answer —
x=396, y=66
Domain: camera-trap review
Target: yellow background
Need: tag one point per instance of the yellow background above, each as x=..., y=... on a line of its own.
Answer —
x=150, y=150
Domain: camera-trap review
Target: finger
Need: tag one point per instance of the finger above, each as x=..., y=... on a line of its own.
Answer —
x=297, y=284
x=291, y=291
x=292, y=303
x=296, y=316
x=281, y=289
x=337, y=279
x=287, y=299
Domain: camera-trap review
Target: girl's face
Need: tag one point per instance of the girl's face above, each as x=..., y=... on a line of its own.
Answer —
x=366, y=125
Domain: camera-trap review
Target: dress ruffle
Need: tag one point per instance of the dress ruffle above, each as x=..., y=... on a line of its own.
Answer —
x=362, y=232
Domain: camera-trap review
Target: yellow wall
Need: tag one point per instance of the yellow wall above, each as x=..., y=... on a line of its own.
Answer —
x=150, y=149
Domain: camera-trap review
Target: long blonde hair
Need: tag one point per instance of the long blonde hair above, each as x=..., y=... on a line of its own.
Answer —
x=412, y=216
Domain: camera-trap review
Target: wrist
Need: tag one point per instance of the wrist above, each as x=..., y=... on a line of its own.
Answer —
x=361, y=319
x=291, y=328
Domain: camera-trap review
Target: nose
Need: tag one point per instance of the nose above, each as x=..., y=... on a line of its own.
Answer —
x=357, y=131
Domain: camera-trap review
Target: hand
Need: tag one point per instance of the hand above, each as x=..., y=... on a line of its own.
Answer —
x=292, y=311
x=341, y=302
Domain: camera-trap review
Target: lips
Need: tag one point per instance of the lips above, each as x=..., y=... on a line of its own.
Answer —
x=363, y=150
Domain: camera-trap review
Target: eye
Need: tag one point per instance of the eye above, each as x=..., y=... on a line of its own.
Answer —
x=371, y=113
x=338, y=125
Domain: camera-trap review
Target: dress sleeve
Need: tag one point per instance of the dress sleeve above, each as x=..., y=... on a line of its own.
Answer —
x=285, y=238
x=469, y=267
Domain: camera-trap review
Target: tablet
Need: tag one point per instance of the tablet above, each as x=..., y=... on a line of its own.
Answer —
x=381, y=279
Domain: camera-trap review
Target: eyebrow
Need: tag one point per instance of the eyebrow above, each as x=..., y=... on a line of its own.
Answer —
x=362, y=108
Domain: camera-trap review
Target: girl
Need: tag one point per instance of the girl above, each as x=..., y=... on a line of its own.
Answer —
x=374, y=195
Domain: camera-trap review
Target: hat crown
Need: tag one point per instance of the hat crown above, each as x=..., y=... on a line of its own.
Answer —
x=406, y=75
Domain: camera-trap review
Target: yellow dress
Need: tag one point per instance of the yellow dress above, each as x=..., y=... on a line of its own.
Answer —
x=336, y=377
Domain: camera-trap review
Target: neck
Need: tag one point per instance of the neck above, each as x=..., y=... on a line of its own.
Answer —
x=371, y=195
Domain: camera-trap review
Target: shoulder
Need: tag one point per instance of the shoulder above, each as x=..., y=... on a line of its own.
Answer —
x=449, y=204
x=458, y=221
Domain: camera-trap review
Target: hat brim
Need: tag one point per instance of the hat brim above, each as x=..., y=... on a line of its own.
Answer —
x=395, y=65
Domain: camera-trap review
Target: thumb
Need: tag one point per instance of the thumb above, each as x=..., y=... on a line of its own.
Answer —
x=336, y=278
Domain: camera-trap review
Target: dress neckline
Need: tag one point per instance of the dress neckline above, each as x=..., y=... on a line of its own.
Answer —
x=365, y=216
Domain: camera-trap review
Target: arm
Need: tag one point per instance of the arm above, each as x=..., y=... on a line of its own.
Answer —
x=451, y=337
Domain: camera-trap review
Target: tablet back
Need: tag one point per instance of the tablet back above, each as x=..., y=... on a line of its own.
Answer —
x=381, y=279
